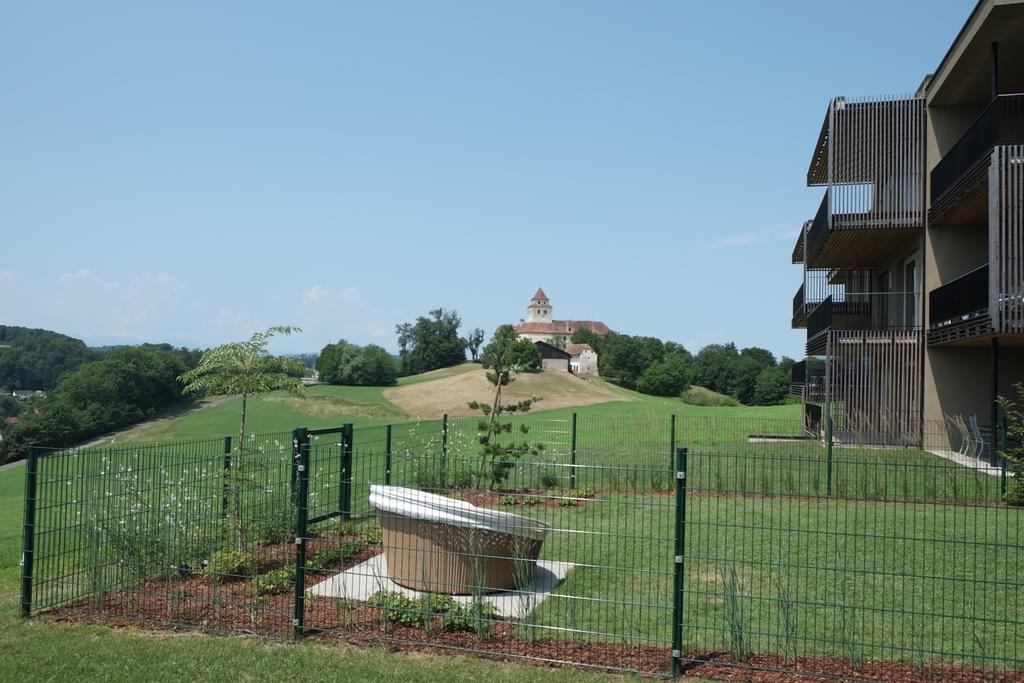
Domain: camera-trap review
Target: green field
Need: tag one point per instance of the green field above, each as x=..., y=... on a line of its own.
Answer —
x=326, y=406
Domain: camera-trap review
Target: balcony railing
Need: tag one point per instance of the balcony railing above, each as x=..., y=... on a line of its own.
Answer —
x=818, y=232
x=799, y=372
x=962, y=299
x=864, y=311
x=1001, y=123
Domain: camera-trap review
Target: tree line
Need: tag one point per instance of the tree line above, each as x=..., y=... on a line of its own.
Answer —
x=123, y=386
x=649, y=365
x=752, y=375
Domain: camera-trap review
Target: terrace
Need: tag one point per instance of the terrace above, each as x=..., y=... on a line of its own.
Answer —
x=870, y=159
x=959, y=180
x=861, y=311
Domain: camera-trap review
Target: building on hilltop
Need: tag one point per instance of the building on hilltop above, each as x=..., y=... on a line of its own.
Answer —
x=552, y=357
x=582, y=359
x=540, y=324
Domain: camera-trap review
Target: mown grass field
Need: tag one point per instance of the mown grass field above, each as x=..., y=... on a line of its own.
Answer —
x=326, y=406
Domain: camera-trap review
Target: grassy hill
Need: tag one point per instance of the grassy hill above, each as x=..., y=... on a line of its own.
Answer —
x=451, y=394
x=428, y=396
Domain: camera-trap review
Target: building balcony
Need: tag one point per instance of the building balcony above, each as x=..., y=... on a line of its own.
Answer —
x=962, y=172
x=798, y=248
x=799, y=312
x=859, y=236
x=852, y=311
x=968, y=309
x=870, y=159
x=798, y=378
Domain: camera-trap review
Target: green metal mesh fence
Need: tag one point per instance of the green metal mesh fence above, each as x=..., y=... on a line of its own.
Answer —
x=886, y=555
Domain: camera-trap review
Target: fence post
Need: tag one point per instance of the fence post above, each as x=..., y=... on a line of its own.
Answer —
x=345, y=488
x=301, y=444
x=28, y=546
x=572, y=455
x=297, y=436
x=1002, y=458
x=672, y=443
x=444, y=451
x=828, y=436
x=227, y=475
x=387, y=456
x=680, y=556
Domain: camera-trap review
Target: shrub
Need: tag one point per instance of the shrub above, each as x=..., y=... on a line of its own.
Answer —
x=397, y=608
x=230, y=563
x=475, y=616
x=699, y=396
x=275, y=581
x=343, y=552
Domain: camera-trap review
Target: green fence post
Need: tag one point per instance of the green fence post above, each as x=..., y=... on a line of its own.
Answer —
x=227, y=475
x=1002, y=458
x=387, y=456
x=345, y=489
x=828, y=437
x=301, y=518
x=572, y=455
x=28, y=546
x=680, y=556
x=672, y=443
x=444, y=450
x=297, y=436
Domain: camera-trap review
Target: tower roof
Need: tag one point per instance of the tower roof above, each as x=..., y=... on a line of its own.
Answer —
x=540, y=294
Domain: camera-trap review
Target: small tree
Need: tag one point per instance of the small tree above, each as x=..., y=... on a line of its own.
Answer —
x=1014, y=449
x=246, y=369
x=473, y=342
x=505, y=356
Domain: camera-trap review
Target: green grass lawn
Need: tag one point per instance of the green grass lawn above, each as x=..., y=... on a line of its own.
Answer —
x=326, y=406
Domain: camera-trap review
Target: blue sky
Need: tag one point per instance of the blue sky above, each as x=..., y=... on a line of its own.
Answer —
x=192, y=172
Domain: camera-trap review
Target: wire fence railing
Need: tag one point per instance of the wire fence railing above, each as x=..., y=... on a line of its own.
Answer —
x=646, y=544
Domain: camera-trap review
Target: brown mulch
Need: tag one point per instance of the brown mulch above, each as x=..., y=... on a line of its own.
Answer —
x=194, y=602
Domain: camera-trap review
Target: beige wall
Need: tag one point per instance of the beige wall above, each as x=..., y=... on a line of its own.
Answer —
x=555, y=364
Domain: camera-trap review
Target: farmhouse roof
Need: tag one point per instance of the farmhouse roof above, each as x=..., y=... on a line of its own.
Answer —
x=563, y=327
x=577, y=349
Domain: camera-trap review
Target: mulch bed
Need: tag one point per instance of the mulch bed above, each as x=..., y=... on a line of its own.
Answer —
x=193, y=601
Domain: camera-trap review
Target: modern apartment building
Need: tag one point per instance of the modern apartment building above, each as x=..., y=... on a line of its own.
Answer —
x=913, y=266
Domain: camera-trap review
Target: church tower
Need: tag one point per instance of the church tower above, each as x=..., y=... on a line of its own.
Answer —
x=539, y=310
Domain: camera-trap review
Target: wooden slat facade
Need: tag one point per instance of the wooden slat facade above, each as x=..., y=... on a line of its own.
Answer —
x=1006, y=239
x=873, y=383
x=871, y=158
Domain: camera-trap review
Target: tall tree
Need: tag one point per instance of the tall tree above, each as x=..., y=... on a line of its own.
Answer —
x=431, y=342
x=474, y=340
x=245, y=369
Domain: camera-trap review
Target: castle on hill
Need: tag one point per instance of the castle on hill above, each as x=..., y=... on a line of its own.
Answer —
x=540, y=324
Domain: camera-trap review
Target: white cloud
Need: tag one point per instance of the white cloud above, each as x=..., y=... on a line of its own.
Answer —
x=316, y=293
x=751, y=239
x=85, y=276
